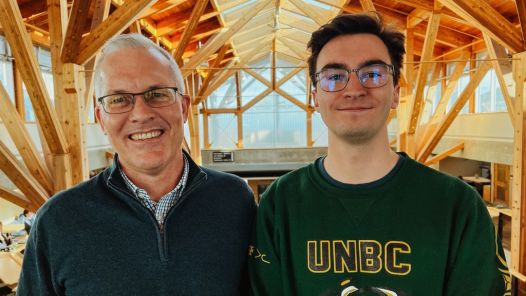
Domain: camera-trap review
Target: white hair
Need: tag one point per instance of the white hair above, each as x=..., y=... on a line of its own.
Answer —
x=133, y=41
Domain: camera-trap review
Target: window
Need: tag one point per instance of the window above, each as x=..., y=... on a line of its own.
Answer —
x=489, y=95
x=274, y=122
x=461, y=85
x=6, y=69
x=222, y=130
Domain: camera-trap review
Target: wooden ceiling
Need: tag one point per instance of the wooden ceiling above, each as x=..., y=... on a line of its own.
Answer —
x=281, y=26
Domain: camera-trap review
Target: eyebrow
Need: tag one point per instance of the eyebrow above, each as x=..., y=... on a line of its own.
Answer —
x=343, y=66
x=121, y=91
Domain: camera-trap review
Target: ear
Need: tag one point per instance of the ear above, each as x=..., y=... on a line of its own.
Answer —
x=396, y=97
x=98, y=110
x=186, y=106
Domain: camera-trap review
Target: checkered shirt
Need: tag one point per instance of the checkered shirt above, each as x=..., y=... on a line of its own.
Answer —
x=159, y=209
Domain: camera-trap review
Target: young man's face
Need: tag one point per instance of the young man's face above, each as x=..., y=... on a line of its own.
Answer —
x=355, y=114
x=147, y=139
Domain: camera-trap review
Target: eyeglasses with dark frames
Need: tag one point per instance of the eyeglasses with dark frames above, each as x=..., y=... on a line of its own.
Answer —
x=124, y=102
x=370, y=76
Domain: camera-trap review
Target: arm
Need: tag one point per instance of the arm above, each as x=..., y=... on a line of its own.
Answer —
x=36, y=276
x=264, y=259
x=477, y=265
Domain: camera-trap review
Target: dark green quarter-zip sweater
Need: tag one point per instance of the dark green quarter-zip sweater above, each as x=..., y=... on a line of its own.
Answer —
x=96, y=239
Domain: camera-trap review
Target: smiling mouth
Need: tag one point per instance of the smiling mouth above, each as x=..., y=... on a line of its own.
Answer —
x=146, y=136
x=355, y=109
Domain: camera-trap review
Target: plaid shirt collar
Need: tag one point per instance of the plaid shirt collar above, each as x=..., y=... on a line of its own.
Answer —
x=159, y=209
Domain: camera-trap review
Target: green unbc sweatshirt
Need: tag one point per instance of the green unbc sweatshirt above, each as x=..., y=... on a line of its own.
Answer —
x=414, y=232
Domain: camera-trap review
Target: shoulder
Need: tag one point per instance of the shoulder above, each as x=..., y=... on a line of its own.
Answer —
x=293, y=181
x=293, y=178
x=71, y=200
x=438, y=184
x=226, y=185
x=422, y=172
x=213, y=176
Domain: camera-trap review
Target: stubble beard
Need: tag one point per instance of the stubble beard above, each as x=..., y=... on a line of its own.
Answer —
x=360, y=135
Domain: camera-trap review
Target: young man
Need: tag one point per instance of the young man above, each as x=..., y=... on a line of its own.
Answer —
x=154, y=223
x=365, y=220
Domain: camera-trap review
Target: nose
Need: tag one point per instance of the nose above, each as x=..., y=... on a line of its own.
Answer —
x=354, y=88
x=141, y=112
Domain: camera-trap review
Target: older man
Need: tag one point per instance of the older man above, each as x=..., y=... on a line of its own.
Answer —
x=154, y=223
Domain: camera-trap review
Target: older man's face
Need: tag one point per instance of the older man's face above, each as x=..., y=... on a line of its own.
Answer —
x=147, y=139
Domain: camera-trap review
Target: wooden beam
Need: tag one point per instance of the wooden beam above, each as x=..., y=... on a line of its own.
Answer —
x=221, y=38
x=117, y=22
x=17, y=199
x=256, y=99
x=239, y=115
x=57, y=23
x=197, y=12
x=452, y=114
x=193, y=117
x=177, y=22
x=258, y=77
x=302, y=54
x=101, y=12
x=451, y=86
x=521, y=11
x=427, y=55
x=160, y=7
x=19, y=176
x=367, y=5
x=502, y=66
x=292, y=99
x=135, y=28
x=211, y=73
x=309, y=112
x=19, y=92
x=472, y=66
x=312, y=13
x=417, y=16
x=482, y=15
x=206, y=134
x=24, y=54
x=518, y=198
x=445, y=36
x=22, y=140
x=273, y=64
x=442, y=155
x=440, y=109
x=75, y=122
x=289, y=75
x=220, y=111
x=73, y=36
x=253, y=54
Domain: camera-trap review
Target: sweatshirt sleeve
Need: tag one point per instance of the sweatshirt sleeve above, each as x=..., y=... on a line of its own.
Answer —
x=476, y=265
x=264, y=261
x=36, y=276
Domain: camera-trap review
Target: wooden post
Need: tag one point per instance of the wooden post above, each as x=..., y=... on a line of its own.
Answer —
x=472, y=66
x=102, y=10
x=310, y=110
x=518, y=222
x=239, y=114
x=61, y=171
x=19, y=92
x=193, y=124
x=74, y=123
x=206, y=135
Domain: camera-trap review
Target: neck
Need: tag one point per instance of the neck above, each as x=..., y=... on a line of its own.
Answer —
x=159, y=182
x=353, y=163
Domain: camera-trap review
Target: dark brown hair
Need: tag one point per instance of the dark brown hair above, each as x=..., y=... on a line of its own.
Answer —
x=349, y=24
